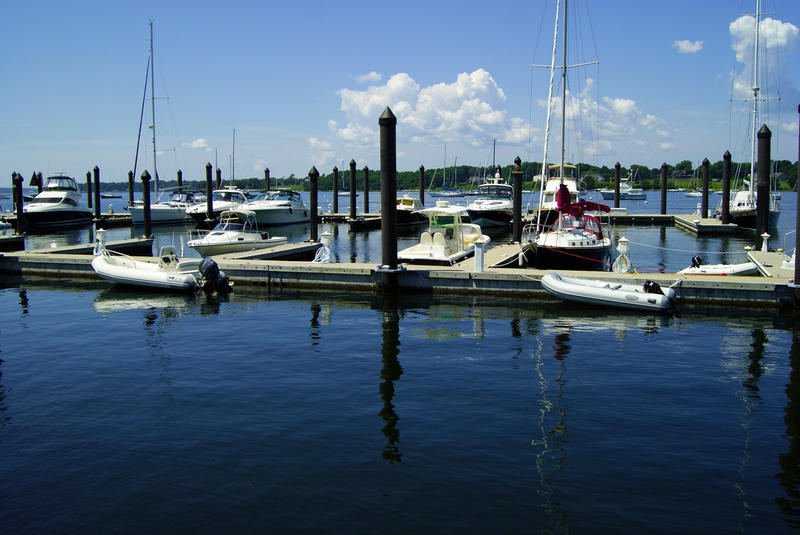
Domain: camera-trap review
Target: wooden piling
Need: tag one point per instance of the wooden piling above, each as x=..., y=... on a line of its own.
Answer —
x=98, y=212
x=130, y=188
x=89, y=202
x=209, y=193
x=516, y=175
x=219, y=178
x=422, y=185
x=616, y=185
x=366, y=190
x=664, y=188
x=762, y=192
x=180, y=178
x=725, y=217
x=352, y=189
x=704, y=197
x=266, y=179
x=16, y=181
x=335, y=187
x=313, y=178
x=388, y=146
x=146, y=201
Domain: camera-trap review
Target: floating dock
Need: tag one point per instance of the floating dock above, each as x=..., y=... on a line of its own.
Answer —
x=248, y=269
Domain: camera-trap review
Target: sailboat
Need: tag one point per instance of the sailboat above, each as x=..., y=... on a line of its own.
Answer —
x=743, y=203
x=577, y=240
x=172, y=210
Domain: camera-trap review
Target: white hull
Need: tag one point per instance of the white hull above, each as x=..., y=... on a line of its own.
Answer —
x=233, y=246
x=279, y=216
x=608, y=293
x=160, y=214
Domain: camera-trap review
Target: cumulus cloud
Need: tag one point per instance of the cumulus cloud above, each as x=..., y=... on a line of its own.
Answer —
x=321, y=151
x=469, y=108
x=777, y=39
x=684, y=46
x=369, y=77
x=199, y=143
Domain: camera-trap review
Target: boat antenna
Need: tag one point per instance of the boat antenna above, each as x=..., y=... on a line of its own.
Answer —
x=153, y=105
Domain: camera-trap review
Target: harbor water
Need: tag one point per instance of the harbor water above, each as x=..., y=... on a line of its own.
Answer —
x=127, y=411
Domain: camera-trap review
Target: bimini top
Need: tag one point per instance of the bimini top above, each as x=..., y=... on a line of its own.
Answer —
x=443, y=207
x=61, y=183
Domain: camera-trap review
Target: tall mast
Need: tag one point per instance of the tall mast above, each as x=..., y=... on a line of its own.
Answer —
x=564, y=91
x=153, y=104
x=233, y=157
x=755, y=99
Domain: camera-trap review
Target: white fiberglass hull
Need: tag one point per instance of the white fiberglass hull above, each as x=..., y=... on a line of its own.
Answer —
x=744, y=268
x=208, y=248
x=281, y=215
x=125, y=270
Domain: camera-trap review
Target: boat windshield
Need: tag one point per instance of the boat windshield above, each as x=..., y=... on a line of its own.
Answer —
x=494, y=191
x=231, y=196
x=284, y=195
x=61, y=183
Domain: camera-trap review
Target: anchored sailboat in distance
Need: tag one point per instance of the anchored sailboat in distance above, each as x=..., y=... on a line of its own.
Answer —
x=577, y=240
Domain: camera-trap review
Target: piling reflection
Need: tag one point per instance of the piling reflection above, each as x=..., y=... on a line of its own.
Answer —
x=4, y=417
x=789, y=476
x=391, y=372
x=551, y=427
x=316, y=308
x=23, y=301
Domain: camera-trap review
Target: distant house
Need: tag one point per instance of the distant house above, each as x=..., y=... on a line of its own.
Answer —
x=680, y=173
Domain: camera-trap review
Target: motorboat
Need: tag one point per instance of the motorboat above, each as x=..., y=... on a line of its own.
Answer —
x=408, y=211
x=172, y=210
x=626, y=191
x=447, y=240
x=494, y=205
x=222, y=199
x=547, y=213
x=236, y=231
x=168, y=271
x=698, y=268
x=57, y=206
x=647, y=296
x=279, y=208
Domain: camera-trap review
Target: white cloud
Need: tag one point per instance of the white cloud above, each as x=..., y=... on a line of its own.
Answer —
x=666, y=145
x=369, y=77
x=777, y=39
x=685, y=46
x=469, y=108
x=199, y=143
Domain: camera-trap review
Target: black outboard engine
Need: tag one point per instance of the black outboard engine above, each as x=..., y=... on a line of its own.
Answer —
x=652, y=287
x=213, y=278
x=696, y=261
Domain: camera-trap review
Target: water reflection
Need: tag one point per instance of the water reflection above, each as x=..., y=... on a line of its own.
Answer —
x=391, y=372
x=23, y=300
x=789, y=476
x=4, y=417
x=551, y=428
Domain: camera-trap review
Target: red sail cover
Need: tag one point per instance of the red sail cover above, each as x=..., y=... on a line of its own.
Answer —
x=566, y=206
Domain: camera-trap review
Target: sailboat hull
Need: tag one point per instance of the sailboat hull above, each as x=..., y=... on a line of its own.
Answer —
x=575, y=258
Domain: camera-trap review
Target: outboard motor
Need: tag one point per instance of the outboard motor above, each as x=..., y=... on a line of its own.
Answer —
x=213, y=278
x=696, y=261
x=652, y=287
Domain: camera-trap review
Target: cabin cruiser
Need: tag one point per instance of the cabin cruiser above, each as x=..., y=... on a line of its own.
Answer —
x=221, y=200
x=279, y=208
x=408, y=211
x=236, y=231
x=58, y=205
x=448, y=240
x=626, y=191
x=172, y=210
x=494, y=206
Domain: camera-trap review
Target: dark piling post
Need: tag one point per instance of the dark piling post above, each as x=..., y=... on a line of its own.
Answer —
x=266, y=179
x=388, y=140
x=762, y=193
x=422, y=184
x=180, y=178
x=704, y=198
x=130, y=188
x=146, y=198
x=97, y=209
x=797, y=221
x=16, y=181
x=40, y=181
x=219, y=178
x=89, y=189
x=209, y=193
x=516, y=175
x=664, y=188
x=352, y=189
x=366, y=190
x=313, y=178
x=726, y=188
x=616, y=185
x=335, y=190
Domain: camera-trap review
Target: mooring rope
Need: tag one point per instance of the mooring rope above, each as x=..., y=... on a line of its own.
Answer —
x=684, y=250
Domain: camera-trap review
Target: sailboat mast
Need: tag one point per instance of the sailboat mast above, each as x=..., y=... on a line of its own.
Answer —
x=233, y=157
x=755, y=99
x=153, y=104
x=564, y=91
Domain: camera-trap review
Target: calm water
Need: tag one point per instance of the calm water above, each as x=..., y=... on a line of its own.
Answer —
x=133, y=412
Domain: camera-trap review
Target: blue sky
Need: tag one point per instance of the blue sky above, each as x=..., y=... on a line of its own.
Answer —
x=304, y=82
